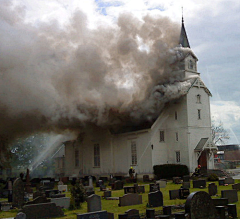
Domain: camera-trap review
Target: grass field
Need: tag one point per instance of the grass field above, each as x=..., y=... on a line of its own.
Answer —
x=112, y=205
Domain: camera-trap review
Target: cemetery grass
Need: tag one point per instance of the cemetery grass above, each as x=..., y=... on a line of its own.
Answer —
x=112, y=205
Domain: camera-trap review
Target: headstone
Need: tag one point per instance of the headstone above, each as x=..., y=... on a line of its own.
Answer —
x=132, y=214
x=199, y=205
x=118, y=185
x=28, y=184
x=212, y=189
x=232, y=210
x=220, y=212
x=155, y=199
x=130, y=189
x=221, y=182
x=183, y=193
x=50, y=192
x=93, y=215
x=20, y=215
x=38, y=200
x=43, y=210
x=90, y=182
x=236, y=186
x=63, y=188
x=229, y=180
x=167, y=210
x=174, y=194
x=186, y=178
x=153, y=187
x=201, y=183
x=162, y=183
x=107, y=194
x=62, y=202
x=102, y=187
x=220, y=201
x=177, y=180
x=141, y=189
x=231, y=195
x=18, y=192
x=130, y=199
x=180, y=215
x=186, y=185
x=150, y=213
x=60, y=183
x=94, y=203
x=38, y=194
x=89, y=190
x=146, y=178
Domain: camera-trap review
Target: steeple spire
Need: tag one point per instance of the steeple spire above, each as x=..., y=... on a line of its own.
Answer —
x=183, y=35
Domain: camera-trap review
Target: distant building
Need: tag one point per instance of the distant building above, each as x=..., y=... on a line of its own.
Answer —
x=180, y=135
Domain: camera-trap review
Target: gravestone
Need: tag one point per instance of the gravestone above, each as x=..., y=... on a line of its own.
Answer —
x=186, y=178
x=117, y=185
x=89, y=190
x=38, y=200
x=132, y=214
x=221, y=181
x=102, y=187
x=90, y=181
x=155, y=199
x=162, y=183
x=130, y=199
x=150, y=213
x=94, y=203
x=18, y=192
x=199, y=205
x=38, y=194
x=28, y=184
x=153, y=187
x=236, y=186
x=107, y=194
x=174, y=194
x=146, y=178
x=141, y=189
x=95, y=215
x=220, y=201
x=201, y=183
x=50, y=192
x=62, y=188
x=231, y=195
x=212, y=189
x=186, y=185
x=130, y=189
x=43, y=210
x=229, y=180
x=62, y=202
x=183, y=193
x=20, y=215
x=177, y=180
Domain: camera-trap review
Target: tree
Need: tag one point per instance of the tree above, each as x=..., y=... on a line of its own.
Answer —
x=219, y=133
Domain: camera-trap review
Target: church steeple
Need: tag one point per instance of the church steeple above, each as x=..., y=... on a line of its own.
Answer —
x=183, y=40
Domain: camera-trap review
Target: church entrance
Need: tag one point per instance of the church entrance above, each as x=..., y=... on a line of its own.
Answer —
x=202, y=160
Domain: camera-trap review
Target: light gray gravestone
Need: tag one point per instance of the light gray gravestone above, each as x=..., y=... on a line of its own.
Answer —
x=94, y=203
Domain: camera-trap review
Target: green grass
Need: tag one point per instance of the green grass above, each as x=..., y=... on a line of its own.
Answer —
x=112, y=205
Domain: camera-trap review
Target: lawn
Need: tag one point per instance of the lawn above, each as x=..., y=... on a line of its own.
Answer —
x=112, y=205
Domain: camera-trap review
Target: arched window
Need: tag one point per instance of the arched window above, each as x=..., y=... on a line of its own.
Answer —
x=198, y=98
x=190, y=66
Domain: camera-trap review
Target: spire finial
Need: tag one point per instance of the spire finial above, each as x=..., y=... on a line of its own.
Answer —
x=182, y=16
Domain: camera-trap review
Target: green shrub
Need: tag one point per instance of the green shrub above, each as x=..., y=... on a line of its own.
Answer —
x=168, y=171
x=212, y=177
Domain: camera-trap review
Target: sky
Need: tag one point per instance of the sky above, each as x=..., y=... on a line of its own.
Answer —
x=212, y=28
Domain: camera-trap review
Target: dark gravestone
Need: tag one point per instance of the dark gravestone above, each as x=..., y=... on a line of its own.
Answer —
x=122, y=216
x=236, y=186
x=231, y=195
x=110, y=215
x=155, y=199
x=183, y=193
x=38, y=200
x=153, y=187
x=141, y=189
x=229, y=180
x=199, y=205
x=177, y=180
x=107, y=194
x=146, y=178
x=212, y=189
x=38, y=194
x=130, y=199
x=220, y=201
x=220, y=212
x=20, y=215
x=232, y=210
x=102, y=188
x=180, y=215
x=186, y=185
x=43, y=210
x=94, y=203
x=117, y=185
x=50, y=192
x=150, y=213
x=133, y=214
x=174, y=194
x=201, y=183
x=221, y=182
x=130, y=189
x=167, y=210
x=18, y=193
x=95, y=215
x=186, y=178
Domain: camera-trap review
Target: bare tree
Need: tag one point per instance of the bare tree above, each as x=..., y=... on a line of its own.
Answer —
x=219, y=133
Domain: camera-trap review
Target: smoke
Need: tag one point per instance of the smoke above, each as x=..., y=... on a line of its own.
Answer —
x=55, y=77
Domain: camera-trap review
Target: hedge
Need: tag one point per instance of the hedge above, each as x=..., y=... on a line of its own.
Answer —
x=167, y=171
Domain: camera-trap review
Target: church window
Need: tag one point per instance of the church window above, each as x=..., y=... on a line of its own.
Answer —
x=199, y=114
x=176, y=115
x=178, y=156
x=134, y=152
x=198, y=98
x=162, y=136
x=96, y=155
x=176, y=136
x=76, y=155
x=190, y=66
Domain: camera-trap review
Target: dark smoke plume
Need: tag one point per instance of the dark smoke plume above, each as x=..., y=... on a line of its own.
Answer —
x=55, y=77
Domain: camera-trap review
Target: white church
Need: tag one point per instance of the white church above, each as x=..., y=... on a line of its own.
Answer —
x=180, y=135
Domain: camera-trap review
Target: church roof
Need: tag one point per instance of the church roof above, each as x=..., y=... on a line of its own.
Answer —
x=183, y=40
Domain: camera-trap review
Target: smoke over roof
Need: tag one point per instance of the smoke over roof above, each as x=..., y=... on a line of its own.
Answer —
x=55, y=77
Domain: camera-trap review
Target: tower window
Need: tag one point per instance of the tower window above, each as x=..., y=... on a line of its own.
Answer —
x=176, y=136
x=178, y=157
x=162, y=136
x=176, y=115
x=96, y=155
x=134, y=152
x=199, y=114
x=190, y=65
x=198, y=98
